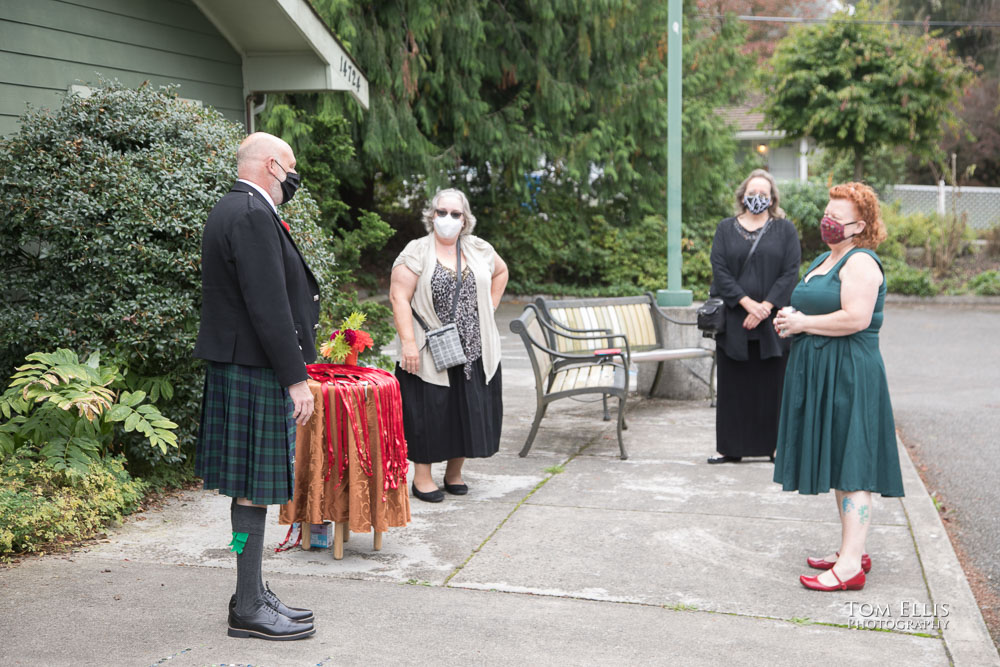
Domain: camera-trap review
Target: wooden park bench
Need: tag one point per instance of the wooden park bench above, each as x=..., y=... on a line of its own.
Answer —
x=636, y=317
x=564, y=374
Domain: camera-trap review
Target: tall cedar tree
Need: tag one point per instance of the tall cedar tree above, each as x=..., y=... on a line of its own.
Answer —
x=482, y=93
x=859, y=87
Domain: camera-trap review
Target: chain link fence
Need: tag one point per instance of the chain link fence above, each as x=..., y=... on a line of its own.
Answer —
x=981, y=206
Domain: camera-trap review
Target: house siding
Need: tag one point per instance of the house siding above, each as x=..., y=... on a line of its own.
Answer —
x=48, y=45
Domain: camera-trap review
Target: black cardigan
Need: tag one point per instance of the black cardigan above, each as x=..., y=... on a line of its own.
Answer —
x=771, y=276
x=260, y=301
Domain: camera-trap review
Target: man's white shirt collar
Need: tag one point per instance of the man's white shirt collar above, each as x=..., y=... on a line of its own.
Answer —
x=262, y=191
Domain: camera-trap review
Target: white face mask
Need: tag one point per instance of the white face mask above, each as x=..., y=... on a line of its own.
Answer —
x=447, y=227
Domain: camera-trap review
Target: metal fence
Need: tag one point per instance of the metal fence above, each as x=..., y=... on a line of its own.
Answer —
x=981, y=206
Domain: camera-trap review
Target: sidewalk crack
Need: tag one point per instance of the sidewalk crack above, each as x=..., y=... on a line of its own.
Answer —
x=523, y=500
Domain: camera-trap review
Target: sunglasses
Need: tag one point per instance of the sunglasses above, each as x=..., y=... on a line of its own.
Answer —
x=455, y=214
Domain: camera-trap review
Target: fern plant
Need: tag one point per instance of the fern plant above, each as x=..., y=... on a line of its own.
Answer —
x=68, y=411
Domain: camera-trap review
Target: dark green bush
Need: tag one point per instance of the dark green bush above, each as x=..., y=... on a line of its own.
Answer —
x=560, y=243
x=901, y=278
x=804, y=204
x=102, y=204
x=40, y=506
x=986, y=283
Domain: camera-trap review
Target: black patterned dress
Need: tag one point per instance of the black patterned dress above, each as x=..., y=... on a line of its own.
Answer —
x=463, y=419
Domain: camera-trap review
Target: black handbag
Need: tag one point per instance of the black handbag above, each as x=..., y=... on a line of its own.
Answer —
x=444, y=342
x=712, y=317
x=712, y=313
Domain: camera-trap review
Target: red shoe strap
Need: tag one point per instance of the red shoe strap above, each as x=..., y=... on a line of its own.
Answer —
x=843, y=586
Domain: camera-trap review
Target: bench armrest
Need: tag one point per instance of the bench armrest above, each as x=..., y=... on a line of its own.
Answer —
x=605, y=335
x=590, y=359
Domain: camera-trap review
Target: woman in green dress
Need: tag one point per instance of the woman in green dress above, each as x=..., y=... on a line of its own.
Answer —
x=836, y=429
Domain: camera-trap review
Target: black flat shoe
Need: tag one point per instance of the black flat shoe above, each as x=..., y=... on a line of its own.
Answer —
x=266, y=623
x=456, y=489
x=297, y=614
x=725, y=459
x=435, y=496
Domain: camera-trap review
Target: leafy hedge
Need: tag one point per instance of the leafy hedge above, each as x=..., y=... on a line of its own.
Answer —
x=102, y=203
x=558, y=242
x=39, y=505
x=804, y=204
x=986, y=284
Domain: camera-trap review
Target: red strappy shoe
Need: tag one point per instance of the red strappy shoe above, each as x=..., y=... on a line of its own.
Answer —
x=823, y=564
x=855, y=583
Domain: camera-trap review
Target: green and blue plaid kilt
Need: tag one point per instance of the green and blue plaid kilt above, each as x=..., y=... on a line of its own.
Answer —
x=247, y=435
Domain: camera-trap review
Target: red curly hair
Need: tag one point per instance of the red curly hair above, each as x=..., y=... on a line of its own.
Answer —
x=866, y=201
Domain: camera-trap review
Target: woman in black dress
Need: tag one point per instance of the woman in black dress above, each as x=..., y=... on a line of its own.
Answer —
x=453, y=414
x=751, y=357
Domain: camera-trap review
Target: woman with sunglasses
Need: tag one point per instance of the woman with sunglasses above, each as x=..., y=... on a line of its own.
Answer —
x=755, y=265
x=836, y=429
x=456, y=413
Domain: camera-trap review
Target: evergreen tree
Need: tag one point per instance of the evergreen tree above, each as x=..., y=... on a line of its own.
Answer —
x=505, y=99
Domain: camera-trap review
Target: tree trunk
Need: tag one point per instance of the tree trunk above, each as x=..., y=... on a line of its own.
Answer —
x=859, y=169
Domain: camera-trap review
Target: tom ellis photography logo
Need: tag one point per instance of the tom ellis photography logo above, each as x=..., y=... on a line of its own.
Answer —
x=908, y=616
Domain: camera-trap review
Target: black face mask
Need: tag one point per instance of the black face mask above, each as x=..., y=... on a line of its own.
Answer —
x=289, y=185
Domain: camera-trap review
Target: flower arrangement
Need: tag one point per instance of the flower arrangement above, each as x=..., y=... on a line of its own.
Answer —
x=347, y=342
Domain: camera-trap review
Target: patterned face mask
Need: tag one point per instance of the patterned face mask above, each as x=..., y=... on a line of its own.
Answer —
x=757, y=203
x=831, y=231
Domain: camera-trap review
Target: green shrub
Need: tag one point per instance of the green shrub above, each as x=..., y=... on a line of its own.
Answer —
x=562, y=244
x=102, y=204
x=40, y=506
x=901, y=278
x=71, y=414
x=986, y=283
x=804, y=204
x=941, y=237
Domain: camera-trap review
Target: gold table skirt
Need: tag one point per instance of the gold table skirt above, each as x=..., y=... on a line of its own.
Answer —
x=358, y=502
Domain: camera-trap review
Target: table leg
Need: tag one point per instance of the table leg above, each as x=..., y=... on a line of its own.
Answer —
x=378, y=541
x=305, y=536
x=347, y=532
x=338, y=540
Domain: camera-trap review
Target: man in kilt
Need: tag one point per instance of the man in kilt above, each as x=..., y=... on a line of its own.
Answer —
x=259, y=314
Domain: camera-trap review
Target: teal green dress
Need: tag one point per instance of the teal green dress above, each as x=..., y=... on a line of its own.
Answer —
x=836, y=429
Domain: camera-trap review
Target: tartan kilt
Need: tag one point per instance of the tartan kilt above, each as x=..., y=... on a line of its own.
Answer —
x=246, y=440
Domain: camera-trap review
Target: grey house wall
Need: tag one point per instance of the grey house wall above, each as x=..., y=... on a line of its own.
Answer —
x=48, y=45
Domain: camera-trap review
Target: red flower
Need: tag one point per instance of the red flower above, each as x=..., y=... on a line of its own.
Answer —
x=363, y=341
x=350, y=336
x=334, y=334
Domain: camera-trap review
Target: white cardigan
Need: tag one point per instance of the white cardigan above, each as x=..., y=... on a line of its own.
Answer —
x=420, y=256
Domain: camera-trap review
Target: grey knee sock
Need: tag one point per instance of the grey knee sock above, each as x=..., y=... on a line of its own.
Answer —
x=250, y=520
x=232, y=518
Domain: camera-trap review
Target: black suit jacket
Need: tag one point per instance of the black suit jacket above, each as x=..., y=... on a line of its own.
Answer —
x=260, y=302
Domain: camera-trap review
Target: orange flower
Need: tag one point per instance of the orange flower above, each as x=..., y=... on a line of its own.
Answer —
x=362, y=341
